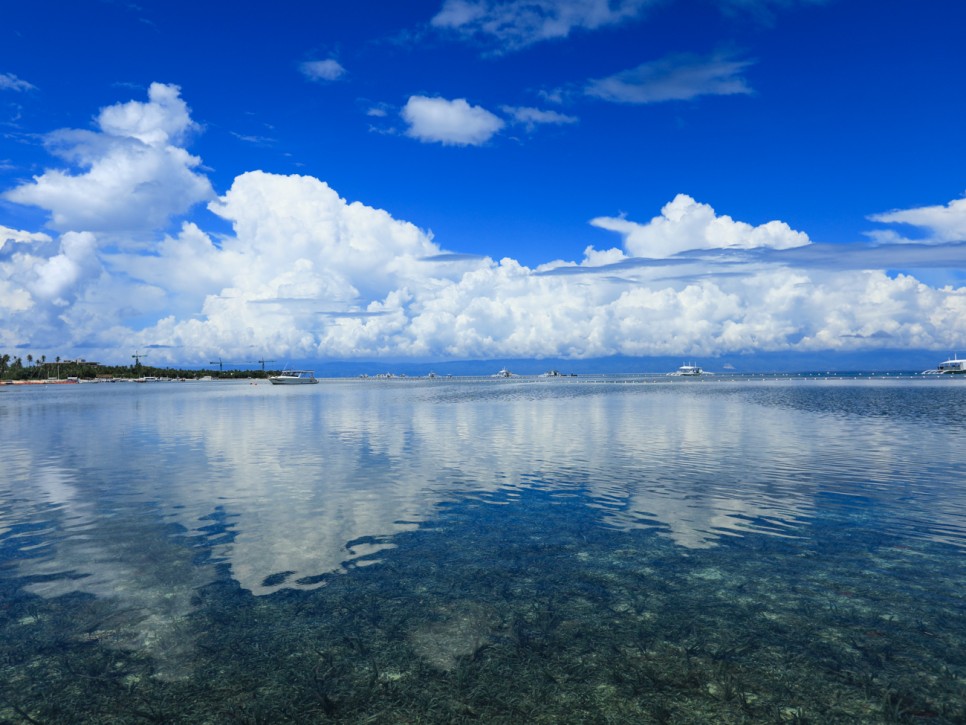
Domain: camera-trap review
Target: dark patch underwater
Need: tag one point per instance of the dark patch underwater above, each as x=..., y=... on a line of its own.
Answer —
x=521, y=606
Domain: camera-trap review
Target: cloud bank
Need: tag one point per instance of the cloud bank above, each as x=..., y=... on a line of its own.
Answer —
x=306, y=273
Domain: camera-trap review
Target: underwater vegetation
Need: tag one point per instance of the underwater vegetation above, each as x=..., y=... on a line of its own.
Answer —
x=520, y=607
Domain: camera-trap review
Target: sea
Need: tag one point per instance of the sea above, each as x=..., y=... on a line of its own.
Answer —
x=589, y=549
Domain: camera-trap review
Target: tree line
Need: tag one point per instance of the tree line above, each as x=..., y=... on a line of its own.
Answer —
x=29, y=367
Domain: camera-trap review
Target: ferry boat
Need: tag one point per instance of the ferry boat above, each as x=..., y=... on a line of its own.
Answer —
x=688, y=370
x=294, y=377
x=953, y=366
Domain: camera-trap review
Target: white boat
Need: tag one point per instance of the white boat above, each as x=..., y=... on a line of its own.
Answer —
x=688, y=370
x=504, y=373
x=293, y=377
x=953, y=366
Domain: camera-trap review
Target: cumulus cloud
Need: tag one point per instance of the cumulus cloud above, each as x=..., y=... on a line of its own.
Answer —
x=305, y=273
x=164, y=120
x=354, y=282
x=674, y=78
x=181, y=271
x=137, y=175
x=455, y=123
x=322, y=70
x=685, y=224
x=515, y=24
x=44, y=283
x=10, y=82
x=352, y=246
x=59, y=275
x=946, y=223
x=10, y=237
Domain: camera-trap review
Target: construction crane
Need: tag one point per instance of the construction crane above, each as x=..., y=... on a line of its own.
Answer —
x=263, y=361
x=221, y=364
x=137, y=357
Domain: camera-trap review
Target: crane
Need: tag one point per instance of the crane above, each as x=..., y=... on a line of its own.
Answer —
x=263, y=361
x=221, y=364
x=137, y=357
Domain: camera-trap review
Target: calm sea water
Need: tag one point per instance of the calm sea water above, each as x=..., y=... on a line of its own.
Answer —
x=526, y=550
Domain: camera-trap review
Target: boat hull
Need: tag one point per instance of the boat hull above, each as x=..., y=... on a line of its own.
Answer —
x=294, y=377
x=955, y=366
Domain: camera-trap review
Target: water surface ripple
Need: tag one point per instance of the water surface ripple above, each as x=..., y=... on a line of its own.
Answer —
x=528, y=550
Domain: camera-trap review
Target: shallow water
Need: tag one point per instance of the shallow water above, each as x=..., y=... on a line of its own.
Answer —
x=527, y=550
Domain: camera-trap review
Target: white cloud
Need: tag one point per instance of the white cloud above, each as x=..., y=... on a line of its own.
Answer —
x=515, y=24
x=342, y=280
x=305, y=273
x=322, y=70
x=531, y=117
x=10, y=82
x=182, y=271
x=164, y=120
x=674, y=78
x=137, y=173
x=455, y=123
x=518, y=23
x=59, y=275
x=43, y=284
x=685, y=225
x=17, y=236
x=945, y=223
x=254, y=139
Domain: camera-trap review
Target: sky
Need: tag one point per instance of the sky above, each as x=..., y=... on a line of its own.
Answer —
x=481, y=179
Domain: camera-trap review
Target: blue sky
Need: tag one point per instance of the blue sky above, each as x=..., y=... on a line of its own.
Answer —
x=465, y=179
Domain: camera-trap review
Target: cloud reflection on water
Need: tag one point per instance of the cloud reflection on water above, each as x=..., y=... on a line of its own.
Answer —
x=313, y=481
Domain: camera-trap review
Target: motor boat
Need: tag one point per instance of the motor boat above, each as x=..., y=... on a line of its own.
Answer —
x=294, y=377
